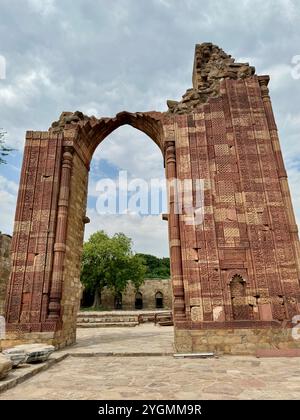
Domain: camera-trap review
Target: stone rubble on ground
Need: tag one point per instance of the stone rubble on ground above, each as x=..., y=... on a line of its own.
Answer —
x=5, y=366
x=17, y=357
x=29, y=353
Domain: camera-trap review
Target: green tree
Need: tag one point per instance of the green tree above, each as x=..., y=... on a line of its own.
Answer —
x=110, y=262
x=4, y=150
x=156, y=267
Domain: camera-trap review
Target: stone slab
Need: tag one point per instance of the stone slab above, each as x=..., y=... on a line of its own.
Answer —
x=5, y=366
x=278, y=353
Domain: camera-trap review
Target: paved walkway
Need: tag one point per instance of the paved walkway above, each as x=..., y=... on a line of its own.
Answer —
x=145, y=338
x=156, y=377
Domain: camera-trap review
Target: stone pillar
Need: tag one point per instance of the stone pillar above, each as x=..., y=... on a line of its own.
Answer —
x=61, y=235
x=174, y=234
x=282, y=174
x=27, y=298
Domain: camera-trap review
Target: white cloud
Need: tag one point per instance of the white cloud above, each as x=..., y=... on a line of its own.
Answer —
x=149, y=233
x=8, y=199
x=289, y=9
x=165, y=3
x=279, y=74
x=293, y=121
x=25, y=88
x=133, y=55
x=42, y=7
x=289, y=129
x=6, y=184
x=132, y=150
x=294, y=182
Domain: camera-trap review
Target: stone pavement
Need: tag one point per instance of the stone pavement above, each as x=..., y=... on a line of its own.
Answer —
x=130, y=376
x=145, y=338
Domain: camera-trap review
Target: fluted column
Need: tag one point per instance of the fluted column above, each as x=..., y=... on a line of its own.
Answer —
x=282, y=174
x=61, y=234
x=174, y=234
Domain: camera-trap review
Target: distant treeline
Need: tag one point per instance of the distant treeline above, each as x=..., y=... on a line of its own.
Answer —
x=156, y=267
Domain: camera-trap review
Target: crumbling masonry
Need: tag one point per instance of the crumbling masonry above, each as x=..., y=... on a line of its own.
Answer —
x=235, y=277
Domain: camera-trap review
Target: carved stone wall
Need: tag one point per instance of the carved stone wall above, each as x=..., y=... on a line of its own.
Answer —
x=5, y=242
x=222, y=132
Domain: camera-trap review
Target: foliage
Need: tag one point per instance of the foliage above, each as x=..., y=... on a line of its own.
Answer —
x=4, y=150
x=156, y=267
x=109, y=261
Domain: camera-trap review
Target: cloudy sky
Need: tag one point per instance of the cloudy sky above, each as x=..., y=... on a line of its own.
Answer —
x=105, y=56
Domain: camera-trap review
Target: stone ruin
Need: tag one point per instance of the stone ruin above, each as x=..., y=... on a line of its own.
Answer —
x=211, y=66
x=235, y=277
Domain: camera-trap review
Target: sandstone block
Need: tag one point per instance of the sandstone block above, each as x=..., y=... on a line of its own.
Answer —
x=5, y=366
x=29, y=353
x=17, y=357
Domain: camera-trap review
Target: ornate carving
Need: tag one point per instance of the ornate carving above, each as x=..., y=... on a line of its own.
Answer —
x=61, y=234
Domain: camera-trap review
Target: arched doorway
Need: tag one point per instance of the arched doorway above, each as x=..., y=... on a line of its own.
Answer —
x=52, y=267
x=138, y=301
x=118, y=301
x=159, y=300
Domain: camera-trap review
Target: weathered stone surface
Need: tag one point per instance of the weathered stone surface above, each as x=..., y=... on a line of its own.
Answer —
x=29, y=353
x=37, y=352
x=172, y=104
x=5, y=366
x=68, y=119
x=211, y=65
x=5, y=242
x=237, y=341
x=159, y=378
x=17, y=357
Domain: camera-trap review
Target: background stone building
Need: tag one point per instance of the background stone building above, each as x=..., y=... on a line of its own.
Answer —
x=5, y=242
x=153, y=294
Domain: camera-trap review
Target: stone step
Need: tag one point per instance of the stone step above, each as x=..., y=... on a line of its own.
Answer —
x=112, y=315
x=105, y=320
x=278, y=353
x=111, y=318
x=106, y=324
x=166, y=323
x=193, y=355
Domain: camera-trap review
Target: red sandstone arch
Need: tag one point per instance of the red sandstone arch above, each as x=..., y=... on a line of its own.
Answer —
x=93, y=131
x=225, y=134
x=44, y=286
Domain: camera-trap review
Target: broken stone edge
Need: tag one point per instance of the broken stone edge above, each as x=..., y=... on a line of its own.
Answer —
x=10, y=382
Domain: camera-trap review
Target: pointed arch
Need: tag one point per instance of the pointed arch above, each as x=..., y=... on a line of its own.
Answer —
x=138, y=300
x=92, y=131
x=159, y=300
x=118, y=300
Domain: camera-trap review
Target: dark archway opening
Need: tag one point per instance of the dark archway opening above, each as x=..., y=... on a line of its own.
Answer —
x=118, y=301
x=159, y=300
x=138, y=301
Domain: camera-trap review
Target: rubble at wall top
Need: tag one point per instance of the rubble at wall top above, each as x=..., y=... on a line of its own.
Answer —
x=211, y=65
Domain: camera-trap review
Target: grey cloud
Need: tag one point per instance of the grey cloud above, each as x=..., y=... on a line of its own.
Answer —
x=134, y=53
x=103, y=56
